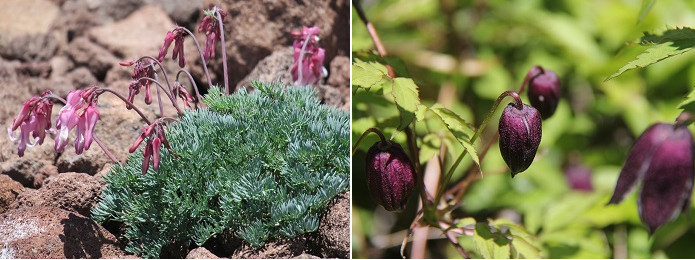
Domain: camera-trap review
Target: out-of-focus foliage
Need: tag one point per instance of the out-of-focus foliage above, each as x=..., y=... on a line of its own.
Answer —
x=463, y=54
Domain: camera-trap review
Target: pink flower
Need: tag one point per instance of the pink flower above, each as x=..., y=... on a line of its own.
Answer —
x=308, y=57
x=140, y=71
x=177, y=36
x=155, y=138
x=179, y=91
x=34, y=118
x=81, y=112
x=211, y=27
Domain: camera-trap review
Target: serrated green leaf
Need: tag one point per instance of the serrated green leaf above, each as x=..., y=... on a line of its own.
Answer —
x=525, y=248
x=368, y=75
x=465, y=222
x=644, y=9
x=688, y=104
x=406, y=96
x=459, y=128
x=670, y=43
x=490, y=245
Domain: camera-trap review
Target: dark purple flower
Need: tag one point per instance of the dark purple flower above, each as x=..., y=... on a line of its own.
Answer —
x=520, y=134
x=544, y=90
x=34, y=118
x=663, y=158
x=211, y=27
x=390, y=175
x=579, y=177
x=176, y=36
x=308, y=57
x=81, y=112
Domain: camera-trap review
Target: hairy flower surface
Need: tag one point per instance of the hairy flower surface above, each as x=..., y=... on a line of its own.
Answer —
x=33, y=120
x=177, y=37
x=80, y=112
x=211, y=27
x=390, y=175
x=662, y=157
x=520, y=135
x=308, y=57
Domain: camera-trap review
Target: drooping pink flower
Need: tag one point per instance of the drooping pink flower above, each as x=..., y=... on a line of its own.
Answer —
x=308, y=57
x=34, y=117
x=155, y=138
x=140, y=71
x=211, y=27
x=180, y=91
x=176, y=36
x=81, y=112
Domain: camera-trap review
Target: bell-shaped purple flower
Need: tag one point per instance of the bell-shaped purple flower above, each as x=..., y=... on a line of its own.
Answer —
x=520, y=134
x=390, y=175
x=544, y=90
x=662, y=157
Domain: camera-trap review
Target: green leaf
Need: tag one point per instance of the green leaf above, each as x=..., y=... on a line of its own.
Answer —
x=459, y=128
x=491, y=244
x=522, y=241
x=406, y=95
x=525, y=248
x=644, y=10
x=368, y=75
x=671, y=43
x=688, y=104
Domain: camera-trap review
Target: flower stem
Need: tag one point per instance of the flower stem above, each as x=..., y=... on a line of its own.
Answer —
x=224, y=51
x=164, y=72
x=190, y=78
x=106, y=150
x=103, y=89
x=301, y=58
x=370, y=130
x=373, y=34
x=173, y=101
x=200, y=51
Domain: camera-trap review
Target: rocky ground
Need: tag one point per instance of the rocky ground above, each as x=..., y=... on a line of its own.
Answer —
x=45, y=198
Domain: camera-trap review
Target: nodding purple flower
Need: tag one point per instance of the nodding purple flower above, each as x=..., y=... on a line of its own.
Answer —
x=34, y=117
x=176, y=36
x=308, y=57
x=390, y=175
x=179, y=91
x=662, y=157
x=579, y=177
x=81, y=112
x=520, y=134
x=211, y=27
x=544, y=90
x=141, y=70
x=155, y=138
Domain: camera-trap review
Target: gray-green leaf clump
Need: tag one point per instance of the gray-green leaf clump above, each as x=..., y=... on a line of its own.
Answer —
x=262, y=165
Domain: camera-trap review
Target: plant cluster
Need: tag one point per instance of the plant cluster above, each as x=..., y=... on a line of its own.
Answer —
x=263, y=165
x=437, y=136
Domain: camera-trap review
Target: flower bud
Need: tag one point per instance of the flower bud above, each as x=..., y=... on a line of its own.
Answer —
x=520, y=135
x=544, y=90
x=663, y=158
x=390, y=175
x=579, y=177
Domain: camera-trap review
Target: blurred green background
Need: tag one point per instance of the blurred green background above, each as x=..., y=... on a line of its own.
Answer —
x=477, y=49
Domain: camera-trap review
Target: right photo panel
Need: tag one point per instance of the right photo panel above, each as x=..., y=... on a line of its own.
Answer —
x=522, y=129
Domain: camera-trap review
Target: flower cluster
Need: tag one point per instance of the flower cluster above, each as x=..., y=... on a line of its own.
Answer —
x=179, y=90
x=141, y=70
x=211, y=27
x=81, y=112
x=34, y=118
x=155, y=138
x=308, y=57
x=176, y=36
x=662, y=158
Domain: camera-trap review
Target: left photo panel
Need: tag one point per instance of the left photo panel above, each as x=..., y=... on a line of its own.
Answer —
x=175, y=129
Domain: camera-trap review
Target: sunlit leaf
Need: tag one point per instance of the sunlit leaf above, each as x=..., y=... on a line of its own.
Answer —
x=406, y=95
x=491, y=245
x=688, y=104
x=368, y=75
x=459, y=128
x=644, y=10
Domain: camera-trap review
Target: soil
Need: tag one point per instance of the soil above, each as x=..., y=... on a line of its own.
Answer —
x=45, y=197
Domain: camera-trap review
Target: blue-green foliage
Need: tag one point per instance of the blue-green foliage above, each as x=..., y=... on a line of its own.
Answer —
x=263, y=165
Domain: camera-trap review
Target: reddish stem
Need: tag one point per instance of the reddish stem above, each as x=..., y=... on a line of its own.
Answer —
x=224, y=51
x=190, y=78
x=200, y=51
x=103, y=89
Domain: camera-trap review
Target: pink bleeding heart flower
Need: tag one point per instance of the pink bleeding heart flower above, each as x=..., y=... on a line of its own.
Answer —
x=80, y=112
x=308, y=57
x=155, y=138
x=180, y=91
x=176, y=36
x=141, y=70
x=211, y=27
x=33, y=120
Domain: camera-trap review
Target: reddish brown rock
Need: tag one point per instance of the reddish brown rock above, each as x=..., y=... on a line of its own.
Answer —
x=76, y=192
x=47, y=232
x=334, y=230
x=201, y=253
x=9, y=190
x=275, y=67
x=282, y=248
x=26, y=171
